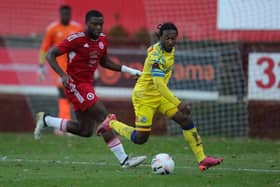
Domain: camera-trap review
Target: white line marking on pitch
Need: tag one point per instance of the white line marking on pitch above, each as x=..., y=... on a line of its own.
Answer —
x=19, y=160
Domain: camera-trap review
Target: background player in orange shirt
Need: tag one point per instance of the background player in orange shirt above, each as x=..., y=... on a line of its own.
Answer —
x=56, y=32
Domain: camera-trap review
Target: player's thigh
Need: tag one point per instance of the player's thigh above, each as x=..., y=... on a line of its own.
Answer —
x=167, y=108
x=98, y=111
x=86, y=122
x=144, y=116
x=94, y=114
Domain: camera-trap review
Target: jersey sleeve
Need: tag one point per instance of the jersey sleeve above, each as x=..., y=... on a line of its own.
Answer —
x=165, y=91
x=69, y=43
x=65, y=46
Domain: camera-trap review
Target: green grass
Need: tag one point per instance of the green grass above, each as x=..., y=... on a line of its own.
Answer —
x=80, y=162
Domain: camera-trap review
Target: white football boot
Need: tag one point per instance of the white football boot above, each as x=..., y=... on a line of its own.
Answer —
x=133, y=161
x=40, y=124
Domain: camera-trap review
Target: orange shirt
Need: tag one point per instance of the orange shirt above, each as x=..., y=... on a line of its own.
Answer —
x=55, y=33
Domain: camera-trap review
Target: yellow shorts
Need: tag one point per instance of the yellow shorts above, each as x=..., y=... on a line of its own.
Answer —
x=145, y=111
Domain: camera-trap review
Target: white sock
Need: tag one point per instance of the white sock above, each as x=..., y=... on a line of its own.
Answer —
x=116, y=147
x=57, y=123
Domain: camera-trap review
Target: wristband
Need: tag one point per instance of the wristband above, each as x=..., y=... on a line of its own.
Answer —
x=129, y=70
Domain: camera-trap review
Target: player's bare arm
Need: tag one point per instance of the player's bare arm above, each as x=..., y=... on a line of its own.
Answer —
x=51, y=58
x=106, y=62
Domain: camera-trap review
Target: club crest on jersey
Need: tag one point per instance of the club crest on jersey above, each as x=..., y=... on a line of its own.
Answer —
x=90, y=96
x=86, y=45
x=101, y=45
x=143, y=119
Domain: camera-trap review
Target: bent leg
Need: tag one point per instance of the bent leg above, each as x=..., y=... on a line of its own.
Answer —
x=83, y=127
x=99, y=113
x=122, y=128
x=138, y=135
x=188, y=128
x=190, y=134
x=78, y=128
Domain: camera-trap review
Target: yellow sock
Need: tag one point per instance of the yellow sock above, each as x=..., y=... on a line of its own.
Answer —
x=121, y=128
x=194, y=140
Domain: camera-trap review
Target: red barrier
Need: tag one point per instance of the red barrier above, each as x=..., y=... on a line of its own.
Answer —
x=18, y=66
x=15, y=114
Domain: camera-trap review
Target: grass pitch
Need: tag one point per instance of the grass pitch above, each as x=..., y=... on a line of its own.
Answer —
x=83, y=162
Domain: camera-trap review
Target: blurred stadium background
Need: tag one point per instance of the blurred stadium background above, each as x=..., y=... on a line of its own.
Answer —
x=227, y=61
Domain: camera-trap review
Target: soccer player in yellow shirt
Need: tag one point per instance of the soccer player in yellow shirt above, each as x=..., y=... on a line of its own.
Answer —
x=151, y=94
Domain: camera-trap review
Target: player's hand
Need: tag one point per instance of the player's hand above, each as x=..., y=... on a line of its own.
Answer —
x=184, y=107
x=41, y=72
x=66, y=80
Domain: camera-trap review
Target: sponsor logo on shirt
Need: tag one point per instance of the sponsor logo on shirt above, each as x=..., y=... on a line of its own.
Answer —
x=86, y=45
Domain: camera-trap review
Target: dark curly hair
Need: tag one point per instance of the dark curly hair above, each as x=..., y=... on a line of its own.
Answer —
x=166, y=26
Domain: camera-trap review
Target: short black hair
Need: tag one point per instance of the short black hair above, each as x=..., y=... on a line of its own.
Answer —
x=93, y=13
x=166, y=26
x=64, y=7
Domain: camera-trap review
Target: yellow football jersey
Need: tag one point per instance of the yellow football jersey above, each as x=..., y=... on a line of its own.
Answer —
x=158, y=63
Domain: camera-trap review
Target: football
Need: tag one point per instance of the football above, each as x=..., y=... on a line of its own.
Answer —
x=162, y=164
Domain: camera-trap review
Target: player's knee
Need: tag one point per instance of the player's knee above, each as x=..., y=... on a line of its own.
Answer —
x=141, y=141
x=182, y=119
x=141, y=138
